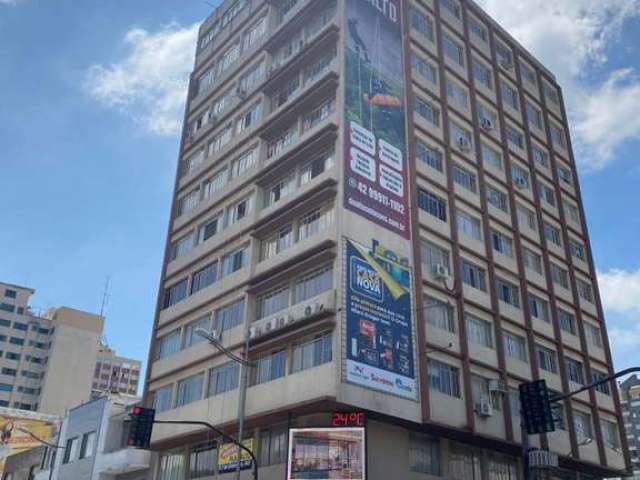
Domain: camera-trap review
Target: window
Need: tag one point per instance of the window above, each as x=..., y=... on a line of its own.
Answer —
x=8, y=293
x=539, y=308
x=444, y=378
x=474, y=276
x=565, y=175
x=315, y=222
x=439, y=314
x=479, y=331
x=278, y=242
x=491, y=156
x=234, y=261
x=502, y=243
x=188, y=202
x=190, y=336
x=509, y=95
x=575, y=371
x=465, y=178
x=182, y=246
x=252, y=35
x=480, y=393
x=547, y=193
x=424, y=454
x=318, y=114
x=321, y=65
x=311, y=354
x=582, y=425
x=316, y=167
x=457, y=95
x=223, y=378
x=252, y=77
x=20, y=326
x=594, y=335
x=547, y=359
x=505, y=57
x=540, y=156
x=432, y=255
x=596, y=376
x=87, y=444
x=12, y=372
x=497, y=198
x=465, y=463
x=432, y=204
x=240, y=210
x=221, y=139
x=273, y=446
x=488, y=118
x=534, y=115
x=243, y=163
x=16, y=341
x=270, y=367
x=427, y=110
x=452, y=6
x=203, y=459
x=269, y=303
x=228, y=58
x=585, y=290
x=520, y=176
x=189, y=390
x=528, y=74
x=515, y=346
x=558, y=137
x=550, y=93
x=461, y=136
x=313, y=284
x=6, y=387
x=229, y=316
x=209, y=228
x=421, y=23
x=478, y=29
x=515, y=137
x=214, y=184
x=610, y=434
x=551, y=233
x=571, y=211
x=12, y=356
x=282, y=141
x=423, y=68
x=175, y=293
x=172, y=466
x=70, y=450
x=567, y=321
x=559, y=275
x=452, y=49
x=5, y=323
x=526, y=216
x=482, y=74
x=468, y=225
x=577, y=249
x=508, y=292
x=429, y=155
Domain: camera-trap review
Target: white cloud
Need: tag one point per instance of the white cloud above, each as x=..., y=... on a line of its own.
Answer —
x=620, y=290
x=9, y=2
x=572, y=37
x=150, y=82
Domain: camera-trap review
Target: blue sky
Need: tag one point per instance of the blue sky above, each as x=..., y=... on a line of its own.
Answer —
x=91, y=103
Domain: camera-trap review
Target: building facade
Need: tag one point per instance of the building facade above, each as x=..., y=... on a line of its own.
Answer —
x=94, y=439
x=630, y=401
x=382, y=197
x=115, y=374
x=37, y=351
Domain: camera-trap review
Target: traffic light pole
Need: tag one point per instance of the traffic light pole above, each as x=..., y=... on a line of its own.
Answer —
x=228, y=438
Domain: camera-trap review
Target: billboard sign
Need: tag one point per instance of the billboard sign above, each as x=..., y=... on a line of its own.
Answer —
x=375, y=163
x=326, y=453
x=18, y=426
x=228, y=456
x=378, y=305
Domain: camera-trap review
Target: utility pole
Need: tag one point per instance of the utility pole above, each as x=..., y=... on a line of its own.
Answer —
x=244, y=369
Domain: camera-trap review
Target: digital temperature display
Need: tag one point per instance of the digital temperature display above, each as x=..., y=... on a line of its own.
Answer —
x=347, y=419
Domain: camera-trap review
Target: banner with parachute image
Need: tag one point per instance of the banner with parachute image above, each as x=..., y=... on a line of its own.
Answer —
x=376, y=185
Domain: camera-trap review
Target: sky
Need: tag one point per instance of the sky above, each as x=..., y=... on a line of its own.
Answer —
x=91, y=101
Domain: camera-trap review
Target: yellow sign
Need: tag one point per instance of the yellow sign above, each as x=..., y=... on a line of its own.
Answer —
x=16, y=426
x=228, y=456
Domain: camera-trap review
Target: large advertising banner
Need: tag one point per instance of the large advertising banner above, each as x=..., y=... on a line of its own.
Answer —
x=19, y=430
x=228, y=457
x=375, y=163
x=378, y=304
x=326, y=453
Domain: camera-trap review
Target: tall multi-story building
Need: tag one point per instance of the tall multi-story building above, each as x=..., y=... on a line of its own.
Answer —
x=47, y=361
x=382, y=196
x=630, y=400
x=115, y=374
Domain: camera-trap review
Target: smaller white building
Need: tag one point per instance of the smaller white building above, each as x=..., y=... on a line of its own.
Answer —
x=94, y=439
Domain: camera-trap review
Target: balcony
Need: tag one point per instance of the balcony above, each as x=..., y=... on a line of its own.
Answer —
x=123, y=461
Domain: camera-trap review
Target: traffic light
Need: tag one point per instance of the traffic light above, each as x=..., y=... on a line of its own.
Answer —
x=141, y=427
x=536, y=408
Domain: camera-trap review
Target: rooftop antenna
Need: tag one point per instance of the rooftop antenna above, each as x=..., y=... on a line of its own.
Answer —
x=103, y=305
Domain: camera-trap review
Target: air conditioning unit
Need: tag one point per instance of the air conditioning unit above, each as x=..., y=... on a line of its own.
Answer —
x=486, y=123
x=498, y=385
x=520, y=182
x=464, y=144
x=441, y=272
x=313, y=309
x=484, y=408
